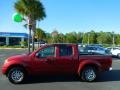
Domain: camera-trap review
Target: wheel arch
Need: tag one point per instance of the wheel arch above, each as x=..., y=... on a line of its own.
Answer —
x=16, y=65
x=95, y=65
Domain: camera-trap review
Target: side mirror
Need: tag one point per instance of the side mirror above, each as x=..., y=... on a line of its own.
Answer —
x=38, y=55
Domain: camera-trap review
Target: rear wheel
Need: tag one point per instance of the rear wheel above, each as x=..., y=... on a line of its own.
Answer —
x=88, y=74
x=16, y=75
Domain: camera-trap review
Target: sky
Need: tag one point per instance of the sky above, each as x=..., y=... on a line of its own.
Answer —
x=68, y=16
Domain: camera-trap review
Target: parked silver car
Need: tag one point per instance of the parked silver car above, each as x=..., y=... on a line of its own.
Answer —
x=95, y=49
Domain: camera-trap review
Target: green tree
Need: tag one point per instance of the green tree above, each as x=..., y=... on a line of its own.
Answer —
x=55, y=35
x=33, y=10
x=40, y=35
x=71, y=37
x=104, y=38
x=79, y=37
x=117, y=39
x=61, y=38
x=48, y=38
x=92, y=37
x=85, y=38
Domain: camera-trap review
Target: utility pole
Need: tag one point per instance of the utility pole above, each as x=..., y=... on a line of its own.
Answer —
x=88, y=38
x=113, y=40
x=29, y=37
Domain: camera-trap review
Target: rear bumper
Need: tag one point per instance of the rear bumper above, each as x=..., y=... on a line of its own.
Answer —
x=106, y=69
x=110, y=68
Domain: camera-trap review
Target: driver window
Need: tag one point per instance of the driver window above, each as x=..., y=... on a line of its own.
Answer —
x=49, y=51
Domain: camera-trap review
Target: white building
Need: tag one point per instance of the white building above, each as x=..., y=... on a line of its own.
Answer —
x=8, y=38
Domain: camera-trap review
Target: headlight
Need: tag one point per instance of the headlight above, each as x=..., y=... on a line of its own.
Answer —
x=6, y=61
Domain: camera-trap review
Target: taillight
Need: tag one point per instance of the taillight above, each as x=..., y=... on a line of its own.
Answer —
x=110, y=60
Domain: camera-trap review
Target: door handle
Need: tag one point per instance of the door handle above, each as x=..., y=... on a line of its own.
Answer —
x=50, y=61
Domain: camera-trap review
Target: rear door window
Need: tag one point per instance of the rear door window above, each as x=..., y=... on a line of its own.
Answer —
x=65, y=50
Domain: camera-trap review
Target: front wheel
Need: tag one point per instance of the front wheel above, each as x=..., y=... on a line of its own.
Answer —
x=16, y=75
x=88, y=74
x=118, y=55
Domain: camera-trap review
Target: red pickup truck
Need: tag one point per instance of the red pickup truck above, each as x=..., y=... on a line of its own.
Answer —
x=56, y=59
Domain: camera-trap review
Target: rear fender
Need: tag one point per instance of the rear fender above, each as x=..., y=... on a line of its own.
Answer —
x=85, y=63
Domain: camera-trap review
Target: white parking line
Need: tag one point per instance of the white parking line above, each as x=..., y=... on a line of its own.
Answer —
x=1, y=55
x=116, y=60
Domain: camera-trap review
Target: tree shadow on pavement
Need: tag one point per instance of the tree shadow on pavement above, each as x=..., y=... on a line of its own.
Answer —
x=113, y=75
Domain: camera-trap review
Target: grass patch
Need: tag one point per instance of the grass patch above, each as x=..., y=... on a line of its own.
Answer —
x=14, y=46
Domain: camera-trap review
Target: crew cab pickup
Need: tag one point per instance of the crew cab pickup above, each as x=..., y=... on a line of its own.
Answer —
x=56, y=59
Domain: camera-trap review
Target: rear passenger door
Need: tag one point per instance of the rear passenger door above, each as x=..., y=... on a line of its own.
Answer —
x=65, y=60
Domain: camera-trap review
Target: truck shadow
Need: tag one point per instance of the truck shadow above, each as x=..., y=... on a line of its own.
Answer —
x=50, y=79
x=113, y=75
x=115, y=58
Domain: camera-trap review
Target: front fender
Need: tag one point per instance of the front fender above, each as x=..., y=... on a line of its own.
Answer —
x=7, y=66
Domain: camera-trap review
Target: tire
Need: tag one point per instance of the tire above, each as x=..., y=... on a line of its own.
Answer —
x=88, y=74
x=16, y=75
x=118, y=55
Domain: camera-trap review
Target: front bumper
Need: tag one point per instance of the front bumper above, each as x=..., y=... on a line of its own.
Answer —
x=4, y=70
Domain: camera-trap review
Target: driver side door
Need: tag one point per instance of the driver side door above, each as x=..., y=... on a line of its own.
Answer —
x=43, y=65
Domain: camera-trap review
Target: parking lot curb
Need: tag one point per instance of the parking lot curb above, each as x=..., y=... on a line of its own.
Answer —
x=13, y=48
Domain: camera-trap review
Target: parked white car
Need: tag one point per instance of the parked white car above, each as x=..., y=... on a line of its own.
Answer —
x=115, y=51
x=38, y=44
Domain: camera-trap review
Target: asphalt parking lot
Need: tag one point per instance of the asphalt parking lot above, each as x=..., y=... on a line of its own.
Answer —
x=106, y=81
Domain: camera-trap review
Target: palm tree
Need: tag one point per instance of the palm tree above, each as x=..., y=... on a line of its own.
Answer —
x=33, y=10
x=40, y=35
